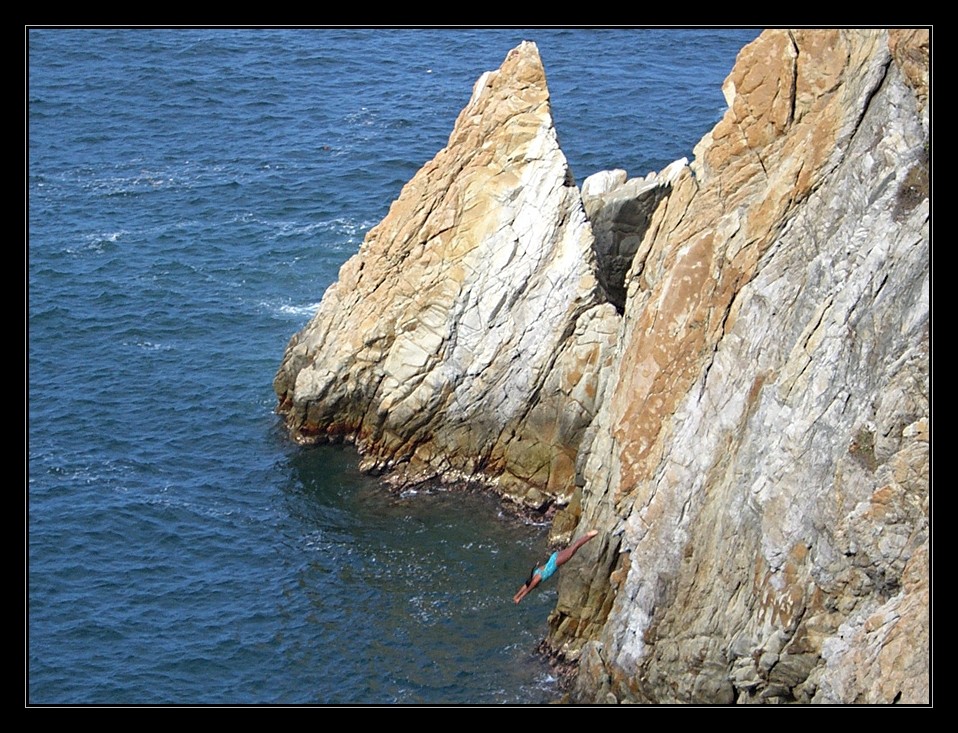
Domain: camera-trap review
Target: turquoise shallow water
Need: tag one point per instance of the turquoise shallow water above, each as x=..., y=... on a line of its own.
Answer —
x=191, y=195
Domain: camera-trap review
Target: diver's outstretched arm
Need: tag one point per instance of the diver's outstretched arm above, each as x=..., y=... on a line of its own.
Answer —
x=524, y=590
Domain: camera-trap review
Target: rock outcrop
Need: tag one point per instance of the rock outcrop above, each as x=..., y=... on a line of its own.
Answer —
x=724, y=368
x=467, y=337
x=620, y=212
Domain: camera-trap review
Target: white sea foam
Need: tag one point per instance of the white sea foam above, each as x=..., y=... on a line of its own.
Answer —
x=293, y=310
x=97, y=242
x=349, y=229
x=149, y=345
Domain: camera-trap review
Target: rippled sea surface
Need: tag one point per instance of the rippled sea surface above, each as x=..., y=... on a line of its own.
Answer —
x=191, y=194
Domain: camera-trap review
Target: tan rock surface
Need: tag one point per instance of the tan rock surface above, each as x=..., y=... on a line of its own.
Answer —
x=462, y=308
x=762, y=457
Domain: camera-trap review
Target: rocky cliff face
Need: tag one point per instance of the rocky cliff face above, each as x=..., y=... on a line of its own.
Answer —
x=724, y=368
x=763, y=448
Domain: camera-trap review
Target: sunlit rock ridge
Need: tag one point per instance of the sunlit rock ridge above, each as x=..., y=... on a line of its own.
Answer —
x=467, y=336
x=723, y=367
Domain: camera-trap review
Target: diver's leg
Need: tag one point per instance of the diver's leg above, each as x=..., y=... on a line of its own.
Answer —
x=572, y=549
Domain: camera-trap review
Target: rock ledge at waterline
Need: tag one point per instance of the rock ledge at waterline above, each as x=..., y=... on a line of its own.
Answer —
x=723, y=368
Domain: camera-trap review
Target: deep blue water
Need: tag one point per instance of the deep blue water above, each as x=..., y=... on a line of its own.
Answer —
x=191, y=194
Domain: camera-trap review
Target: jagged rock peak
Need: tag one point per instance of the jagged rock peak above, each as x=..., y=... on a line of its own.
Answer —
x=449, y=331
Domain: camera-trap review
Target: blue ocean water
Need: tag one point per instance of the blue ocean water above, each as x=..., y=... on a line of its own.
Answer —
x=191, y=194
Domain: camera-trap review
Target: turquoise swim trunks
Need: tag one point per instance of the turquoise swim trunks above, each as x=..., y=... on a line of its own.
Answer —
x=549, y=568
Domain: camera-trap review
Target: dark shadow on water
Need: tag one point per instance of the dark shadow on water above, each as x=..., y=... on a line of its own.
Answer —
x=411, y=593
